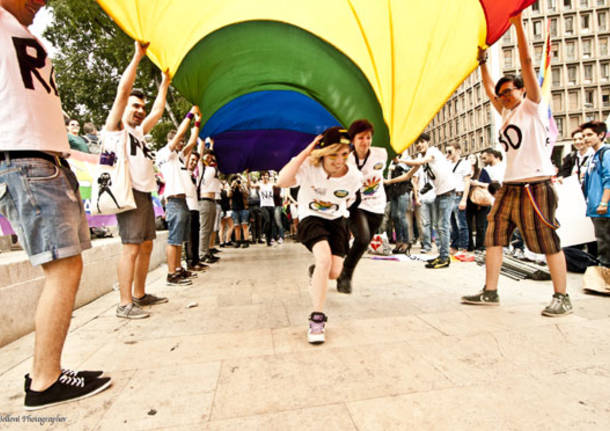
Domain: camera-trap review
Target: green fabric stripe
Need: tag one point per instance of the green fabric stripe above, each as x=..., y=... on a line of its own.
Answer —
x=267, y=55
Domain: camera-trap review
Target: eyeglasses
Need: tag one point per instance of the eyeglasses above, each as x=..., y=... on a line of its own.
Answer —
x=506, y=91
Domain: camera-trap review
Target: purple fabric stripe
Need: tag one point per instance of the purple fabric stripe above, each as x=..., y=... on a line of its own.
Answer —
x=258, y=149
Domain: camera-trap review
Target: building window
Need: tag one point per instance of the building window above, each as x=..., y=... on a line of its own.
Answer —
x=588, y=73
x=572, y=75
x=551, y=5
x=573, y=101
x=602, y=21
x=603, y=46
x=537, y=53
x=585, y=23
x=604, y=71
x=589, y=98
x=584, y=3
x=601, y=2
x=605, y=97
x=536, y=7
x=587, y=48
x=558, y=102
x=574, y=122
x=590, y=116
x=570, y=50
x=559, y=122
x=556, y=76
x=569, y=25
x=537, y=29
x=508, y=58
x=567, y=4
x=554, y=27
x=507, y=38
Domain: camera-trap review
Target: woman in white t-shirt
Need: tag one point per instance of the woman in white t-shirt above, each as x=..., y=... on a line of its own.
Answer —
x=328, y=185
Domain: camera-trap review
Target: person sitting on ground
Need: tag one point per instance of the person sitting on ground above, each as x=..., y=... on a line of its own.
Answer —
x=328, y=186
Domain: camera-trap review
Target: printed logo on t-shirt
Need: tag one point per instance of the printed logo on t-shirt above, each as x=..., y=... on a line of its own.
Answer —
x=511, y=137
x=371, y=186
x=135, y=143
x=341, y=193
x=378, y=166
x=30, y=65
x=322, y=206
x=266, y=194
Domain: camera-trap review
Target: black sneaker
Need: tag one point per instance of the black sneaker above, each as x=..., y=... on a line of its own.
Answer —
x=223, y=244
x=65, y=389
x=210, y=258
x=440, y=263
x=186, y=274
x=344, y=284
x=149, y=299
x=87, y=375
x=433, y=262
x=237, y=244
x=177, y=280
x=485, y=297
x=245, y=244
x=215, y=250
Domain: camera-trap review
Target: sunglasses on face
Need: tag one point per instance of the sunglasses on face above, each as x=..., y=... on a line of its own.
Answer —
x=506, y=91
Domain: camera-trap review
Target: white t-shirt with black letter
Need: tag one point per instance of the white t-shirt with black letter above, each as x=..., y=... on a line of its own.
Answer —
x=30, y=109
x=139, y=155
x=265, y=192
x=525, y=137
x=324, y=197
x=372, y=192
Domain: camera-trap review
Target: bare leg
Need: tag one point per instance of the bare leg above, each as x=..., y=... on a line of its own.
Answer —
x=52, y=320
x=127, y=264
x=213, y=239
x=141, y=269
x=319, y=281
x=245, y=229
x=557, y=268
x=237, y=233
x=173, y=253
x=336, y=267
x=493, y=263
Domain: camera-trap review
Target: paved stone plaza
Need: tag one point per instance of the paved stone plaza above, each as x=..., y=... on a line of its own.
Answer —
x=401, y=354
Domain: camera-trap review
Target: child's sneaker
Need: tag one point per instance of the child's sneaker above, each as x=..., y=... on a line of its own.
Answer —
x=485, y=297
x=317, y=327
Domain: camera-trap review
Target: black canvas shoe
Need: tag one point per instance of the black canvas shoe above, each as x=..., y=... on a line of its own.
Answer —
x=177, y=280
x=65, y=389
x=344, y=282
x=87, y=375
x=245, y=244
x=186, y=274
x=210, y=258
x=485, y=297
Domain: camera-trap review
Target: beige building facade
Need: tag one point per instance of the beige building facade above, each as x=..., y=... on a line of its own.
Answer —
x=580, y=73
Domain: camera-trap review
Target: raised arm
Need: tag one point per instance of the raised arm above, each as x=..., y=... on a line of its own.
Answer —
x=113, y=121
x=528, y=73
x=488, y=83
x=159, y=106
x=181, y=132
x=188, y=149
x=287, y=175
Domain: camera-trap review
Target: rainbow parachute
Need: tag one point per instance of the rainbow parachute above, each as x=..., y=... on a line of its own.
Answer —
x=269, y=75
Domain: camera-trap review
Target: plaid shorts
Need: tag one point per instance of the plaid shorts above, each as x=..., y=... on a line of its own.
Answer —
x=513, y=209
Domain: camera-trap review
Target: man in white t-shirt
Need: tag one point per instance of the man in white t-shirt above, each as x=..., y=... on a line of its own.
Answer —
x=526, y=200
x=126, y=125
x=462, y=172
x=438, y=169
x=177, y=215
x=40, y=197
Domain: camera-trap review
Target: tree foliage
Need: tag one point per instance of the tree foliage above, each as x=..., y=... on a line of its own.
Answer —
x=92, y=52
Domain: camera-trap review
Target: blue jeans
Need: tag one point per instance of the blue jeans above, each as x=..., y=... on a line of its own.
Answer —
x=398, y=213
x=459, y=226
x=278, y=221
x=444, y=207
x=42, y=202
x=429, y=223
x=177, y=216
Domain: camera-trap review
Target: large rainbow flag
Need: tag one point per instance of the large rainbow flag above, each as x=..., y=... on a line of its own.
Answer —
x=269, y=75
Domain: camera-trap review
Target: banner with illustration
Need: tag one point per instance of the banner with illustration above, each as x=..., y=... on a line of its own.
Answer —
x=83, y=165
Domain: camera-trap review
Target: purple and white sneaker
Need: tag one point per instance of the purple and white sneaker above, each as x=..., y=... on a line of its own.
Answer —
x=317, y=327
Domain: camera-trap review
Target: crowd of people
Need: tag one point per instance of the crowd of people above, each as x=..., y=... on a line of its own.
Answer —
x=342, y=192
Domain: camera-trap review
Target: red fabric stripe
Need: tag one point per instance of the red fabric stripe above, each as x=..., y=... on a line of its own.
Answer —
x=497, y=14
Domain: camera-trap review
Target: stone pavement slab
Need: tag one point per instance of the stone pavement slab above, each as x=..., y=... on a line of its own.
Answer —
x=401, y=353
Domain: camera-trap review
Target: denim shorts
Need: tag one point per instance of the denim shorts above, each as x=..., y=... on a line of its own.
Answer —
x=241, y=217
x=42, y=202
x=137, y=226
x=177, y=216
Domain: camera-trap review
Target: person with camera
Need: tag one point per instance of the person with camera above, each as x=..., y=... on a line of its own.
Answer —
x=239, y=192
x=398, y=195
x=527, y=199
x=439, y=171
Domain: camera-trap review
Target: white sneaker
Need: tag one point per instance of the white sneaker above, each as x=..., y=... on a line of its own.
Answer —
x=317, y=328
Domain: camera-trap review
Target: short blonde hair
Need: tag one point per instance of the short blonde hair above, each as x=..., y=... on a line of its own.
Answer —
x=316, y=156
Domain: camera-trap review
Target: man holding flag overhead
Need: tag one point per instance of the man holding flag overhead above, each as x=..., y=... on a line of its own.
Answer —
x=527, y=199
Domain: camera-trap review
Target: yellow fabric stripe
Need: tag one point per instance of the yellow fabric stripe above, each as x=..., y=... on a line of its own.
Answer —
x=413, y=52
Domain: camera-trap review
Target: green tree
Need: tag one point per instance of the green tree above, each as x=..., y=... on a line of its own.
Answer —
x=92, y=52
